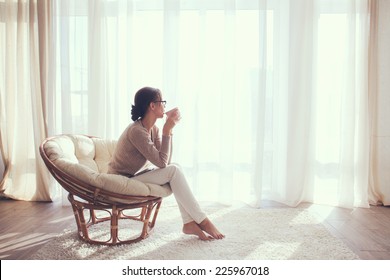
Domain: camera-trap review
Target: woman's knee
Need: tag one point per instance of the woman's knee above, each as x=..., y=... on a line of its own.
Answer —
x=175, y=164
x=174, y=169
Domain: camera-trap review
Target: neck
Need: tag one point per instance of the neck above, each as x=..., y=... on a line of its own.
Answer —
x=148, y=121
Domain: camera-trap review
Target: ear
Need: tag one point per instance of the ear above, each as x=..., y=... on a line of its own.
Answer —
x=152, y=106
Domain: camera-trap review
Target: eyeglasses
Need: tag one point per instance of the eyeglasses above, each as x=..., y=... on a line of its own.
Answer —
x=163, y=102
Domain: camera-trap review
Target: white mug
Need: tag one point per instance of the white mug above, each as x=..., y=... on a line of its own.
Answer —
x=174, y=114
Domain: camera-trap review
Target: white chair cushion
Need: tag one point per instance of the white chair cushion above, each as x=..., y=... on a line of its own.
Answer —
x=87, y=159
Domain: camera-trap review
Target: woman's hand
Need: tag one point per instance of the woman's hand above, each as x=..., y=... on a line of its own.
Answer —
x=173, y=117
x=168, y=126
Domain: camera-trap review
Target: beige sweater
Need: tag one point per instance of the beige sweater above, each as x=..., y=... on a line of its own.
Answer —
x=137, y=150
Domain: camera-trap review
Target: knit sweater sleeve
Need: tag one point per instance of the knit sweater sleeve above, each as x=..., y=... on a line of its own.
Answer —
x=159, y=154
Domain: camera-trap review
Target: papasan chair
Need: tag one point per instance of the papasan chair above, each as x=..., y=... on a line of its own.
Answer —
x=79, y=164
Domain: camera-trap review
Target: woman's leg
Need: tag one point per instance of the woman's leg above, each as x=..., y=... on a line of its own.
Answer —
x=194, y=219
x=172, y=174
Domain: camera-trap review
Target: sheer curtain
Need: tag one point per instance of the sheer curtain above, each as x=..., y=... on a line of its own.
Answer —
x=25, y=36
x=273, y=93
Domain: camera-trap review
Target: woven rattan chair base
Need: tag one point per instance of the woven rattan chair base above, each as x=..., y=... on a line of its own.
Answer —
x=148, y=211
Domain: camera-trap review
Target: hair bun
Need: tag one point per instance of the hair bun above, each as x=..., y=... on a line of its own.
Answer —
x=135, y=113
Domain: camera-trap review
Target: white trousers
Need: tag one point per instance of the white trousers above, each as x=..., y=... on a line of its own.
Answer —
x=172, y=174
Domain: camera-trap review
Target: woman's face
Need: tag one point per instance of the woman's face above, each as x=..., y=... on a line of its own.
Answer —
x=159, y=107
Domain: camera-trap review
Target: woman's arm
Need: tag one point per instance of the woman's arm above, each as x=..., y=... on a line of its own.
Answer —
x=157, y=142
x=140, y=138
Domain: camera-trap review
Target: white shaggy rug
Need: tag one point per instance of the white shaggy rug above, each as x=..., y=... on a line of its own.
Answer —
x=251, y=234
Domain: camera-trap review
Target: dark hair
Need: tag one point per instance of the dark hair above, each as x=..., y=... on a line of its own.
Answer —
x=142, y=99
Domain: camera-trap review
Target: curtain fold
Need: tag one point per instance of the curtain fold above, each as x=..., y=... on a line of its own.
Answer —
x=299, y=98
x=26, y=32
x=379, y=191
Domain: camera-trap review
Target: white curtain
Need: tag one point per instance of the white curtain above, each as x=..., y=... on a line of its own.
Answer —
x=25, y=80
x=273, y=93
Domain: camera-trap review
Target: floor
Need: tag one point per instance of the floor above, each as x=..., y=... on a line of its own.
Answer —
x=26, y=226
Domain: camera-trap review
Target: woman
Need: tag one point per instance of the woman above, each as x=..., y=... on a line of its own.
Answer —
x=140, y=147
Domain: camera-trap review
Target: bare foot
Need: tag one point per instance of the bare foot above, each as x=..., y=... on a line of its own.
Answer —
x=194, y=229
x=209, y=227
